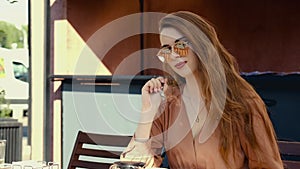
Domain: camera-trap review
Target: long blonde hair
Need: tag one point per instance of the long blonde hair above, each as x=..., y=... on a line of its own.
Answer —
x=236, y=113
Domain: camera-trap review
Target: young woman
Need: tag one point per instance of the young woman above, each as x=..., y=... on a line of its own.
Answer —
x=203, y=114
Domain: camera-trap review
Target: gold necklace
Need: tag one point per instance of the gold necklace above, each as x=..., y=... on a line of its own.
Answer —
x=197, y=110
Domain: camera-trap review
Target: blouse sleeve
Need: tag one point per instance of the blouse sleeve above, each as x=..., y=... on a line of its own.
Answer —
x=148, y=151
x=157, y=131
x=162, y=122
x=265, y=136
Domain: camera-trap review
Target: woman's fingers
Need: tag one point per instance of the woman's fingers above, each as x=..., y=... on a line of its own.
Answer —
x=157, y=85
x=154, y=85
x=149, y=162
x=150, y=84
x=138, y=152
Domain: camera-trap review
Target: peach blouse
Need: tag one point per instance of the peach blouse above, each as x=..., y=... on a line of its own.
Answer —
x=171, y=130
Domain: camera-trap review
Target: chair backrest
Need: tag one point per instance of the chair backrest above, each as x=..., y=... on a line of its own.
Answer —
x=95, y=151
x=290, y=153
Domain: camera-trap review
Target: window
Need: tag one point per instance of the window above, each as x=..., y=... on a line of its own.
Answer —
x=20, y=71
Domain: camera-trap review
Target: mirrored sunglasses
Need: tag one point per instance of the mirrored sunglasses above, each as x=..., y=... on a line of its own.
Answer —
x=180, y=48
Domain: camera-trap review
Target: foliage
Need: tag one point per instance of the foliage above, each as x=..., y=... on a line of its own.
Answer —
x=4, y=111
x=10, y=34
x=12, y=1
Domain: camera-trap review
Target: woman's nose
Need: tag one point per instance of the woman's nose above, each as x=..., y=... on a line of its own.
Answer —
x=174, y=55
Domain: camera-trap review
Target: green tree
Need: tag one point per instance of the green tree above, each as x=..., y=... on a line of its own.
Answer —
x=5, y=111
x=12, y=1
x=3, y=37
x=9, y=34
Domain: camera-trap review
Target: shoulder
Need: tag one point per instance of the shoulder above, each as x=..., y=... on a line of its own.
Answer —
x=257, y=106
x=259, y=120
x=255, y=103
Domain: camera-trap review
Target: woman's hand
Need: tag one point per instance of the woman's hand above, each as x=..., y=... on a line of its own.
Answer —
x=151, y=99
x=151, y=95
x=139, y=152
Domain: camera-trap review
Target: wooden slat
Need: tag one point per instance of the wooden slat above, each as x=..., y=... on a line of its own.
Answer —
x=292, y=164
x=289, y=148
x=98, y=153
x=107, y=140
x=96, y=139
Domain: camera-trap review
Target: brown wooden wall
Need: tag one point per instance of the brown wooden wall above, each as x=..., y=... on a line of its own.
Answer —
x=263, y=34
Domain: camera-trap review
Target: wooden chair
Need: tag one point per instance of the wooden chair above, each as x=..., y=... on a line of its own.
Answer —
x=290, y=153
x=106, y=149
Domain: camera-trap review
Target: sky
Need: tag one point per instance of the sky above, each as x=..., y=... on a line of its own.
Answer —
x=14, y=13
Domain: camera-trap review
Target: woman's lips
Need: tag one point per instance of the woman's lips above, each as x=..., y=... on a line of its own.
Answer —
x=180, y=64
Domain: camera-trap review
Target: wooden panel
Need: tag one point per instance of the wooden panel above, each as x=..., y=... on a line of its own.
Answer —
x=262, y=35
x=88, y=17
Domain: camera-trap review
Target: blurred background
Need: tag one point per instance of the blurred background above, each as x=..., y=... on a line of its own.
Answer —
x=56, y=56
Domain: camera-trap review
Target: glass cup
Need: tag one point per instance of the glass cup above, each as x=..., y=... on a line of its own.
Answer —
x=127, y=165
x=5, y=166
x=2, y=151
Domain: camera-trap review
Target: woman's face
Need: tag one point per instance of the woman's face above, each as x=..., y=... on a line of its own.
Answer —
x=184, y=66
